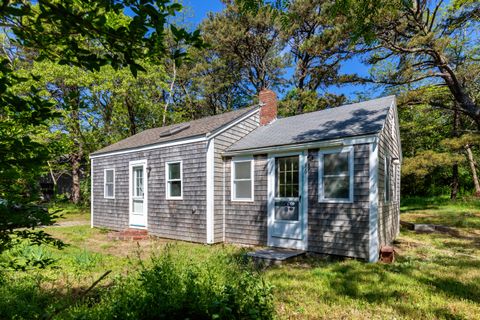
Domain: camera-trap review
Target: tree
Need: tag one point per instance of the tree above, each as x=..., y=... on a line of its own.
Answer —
x=425, y=40
x=250, y=42
x=318, y=46
x=40, y=27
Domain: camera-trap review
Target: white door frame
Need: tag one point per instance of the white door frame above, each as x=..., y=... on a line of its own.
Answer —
x=303, y=212
x=132, y=164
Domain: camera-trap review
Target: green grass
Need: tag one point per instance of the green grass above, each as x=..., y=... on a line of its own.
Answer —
x=436, y=276
x=71, y=212
x=463, y=213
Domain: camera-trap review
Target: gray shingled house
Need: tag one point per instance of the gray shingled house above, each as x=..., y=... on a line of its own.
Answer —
x=325, y=181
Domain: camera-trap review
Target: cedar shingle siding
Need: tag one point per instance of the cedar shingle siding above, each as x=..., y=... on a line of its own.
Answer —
x=333, y=228
x=177, y=219
x=388, y=212
x=222, y=142
x=340, y=228
x=246, y=222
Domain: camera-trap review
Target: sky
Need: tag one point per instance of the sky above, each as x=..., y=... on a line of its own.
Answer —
x=197, y=10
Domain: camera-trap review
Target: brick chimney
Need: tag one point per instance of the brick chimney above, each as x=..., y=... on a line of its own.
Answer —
x=268, y=109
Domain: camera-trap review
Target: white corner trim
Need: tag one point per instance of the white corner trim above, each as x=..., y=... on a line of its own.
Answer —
x=91, y=193
x=252, y=179
x=373, y=199
x=308, y=145
x=234, y=123
x=270, y=198
x=304, y=176
x=167, y=189
x=351, y=161
x=224, y=200
x=151, y=147
x=210, y=191
x=105, y=183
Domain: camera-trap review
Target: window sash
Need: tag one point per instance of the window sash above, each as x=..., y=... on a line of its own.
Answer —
x=170, y=182
x=109, y=185
x=323, y=179
x=138, y=186
x=236, y=181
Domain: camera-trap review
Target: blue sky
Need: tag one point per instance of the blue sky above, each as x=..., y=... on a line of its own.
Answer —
x=197, y=10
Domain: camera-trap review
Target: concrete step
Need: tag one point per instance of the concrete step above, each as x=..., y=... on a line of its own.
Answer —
x=275, y=256
x=129, y=234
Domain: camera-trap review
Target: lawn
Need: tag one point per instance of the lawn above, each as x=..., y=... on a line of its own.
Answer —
x=436, y=276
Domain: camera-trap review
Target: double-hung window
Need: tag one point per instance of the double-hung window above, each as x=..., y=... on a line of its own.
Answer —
x=109, y=183
x=336, y=175
x=242, y=179
x=174, y=180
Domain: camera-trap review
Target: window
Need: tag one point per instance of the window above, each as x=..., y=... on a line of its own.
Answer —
x=287, y=182
x=109, y=183
x=174, y=172
x=336, y=175
x=387, y=178
x=242, y=180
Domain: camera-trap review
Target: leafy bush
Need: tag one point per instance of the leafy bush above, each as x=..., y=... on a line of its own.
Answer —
x=174, y=287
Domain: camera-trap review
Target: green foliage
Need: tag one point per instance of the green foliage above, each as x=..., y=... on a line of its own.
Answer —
x=175, y=287
x=62, y=34
x=250, y=43
x=307, y=101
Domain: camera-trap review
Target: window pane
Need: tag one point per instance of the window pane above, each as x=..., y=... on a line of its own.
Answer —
x=287, y=176
x=174, y=171
x=109, y=176
x=286, y=210
x=335, y=163
x=137, y=206
x=138, y=188
x=243, y=189
x=243, y=170
x=387, y=179
x=336, y=187
x=109, y=190
x=175, y=188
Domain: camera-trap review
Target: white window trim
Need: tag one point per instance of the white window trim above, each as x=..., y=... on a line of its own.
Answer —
x=321, y=196
x=167, y=180
x=105, y=183
x=387, y=179
x=252, y=178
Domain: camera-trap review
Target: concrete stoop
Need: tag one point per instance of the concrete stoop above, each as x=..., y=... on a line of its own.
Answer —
x=129, y=235
x=275, y=256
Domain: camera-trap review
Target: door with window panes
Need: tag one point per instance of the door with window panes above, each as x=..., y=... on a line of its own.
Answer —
x=287, y=228
x=138, y=194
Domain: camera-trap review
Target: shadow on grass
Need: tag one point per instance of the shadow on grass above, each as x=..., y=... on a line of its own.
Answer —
x=453, y=288
x=399, y=286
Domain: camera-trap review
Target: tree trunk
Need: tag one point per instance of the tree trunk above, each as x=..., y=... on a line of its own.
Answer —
x=74, y=127
x=167, y=101
x=131, y=114
x=455, y=179
x=471, y=162
x=75, y=161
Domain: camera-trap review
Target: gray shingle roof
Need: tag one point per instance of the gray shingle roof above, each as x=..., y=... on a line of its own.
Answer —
x=196, y=128
x=345, y=121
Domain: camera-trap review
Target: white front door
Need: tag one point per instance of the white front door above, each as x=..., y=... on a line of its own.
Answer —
x=138, y=194
x=287, y=201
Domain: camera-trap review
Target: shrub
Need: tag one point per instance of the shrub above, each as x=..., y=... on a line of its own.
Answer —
x=174, y=287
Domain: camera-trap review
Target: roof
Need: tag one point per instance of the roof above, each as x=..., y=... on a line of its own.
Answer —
x=192, y=128
x=350, y=120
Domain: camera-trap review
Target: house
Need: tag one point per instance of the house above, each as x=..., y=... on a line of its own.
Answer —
x=325, y=181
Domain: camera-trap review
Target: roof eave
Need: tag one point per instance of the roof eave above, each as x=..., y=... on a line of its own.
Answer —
x=350, y=140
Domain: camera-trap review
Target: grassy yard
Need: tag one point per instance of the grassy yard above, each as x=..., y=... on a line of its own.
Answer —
x=436, y=276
